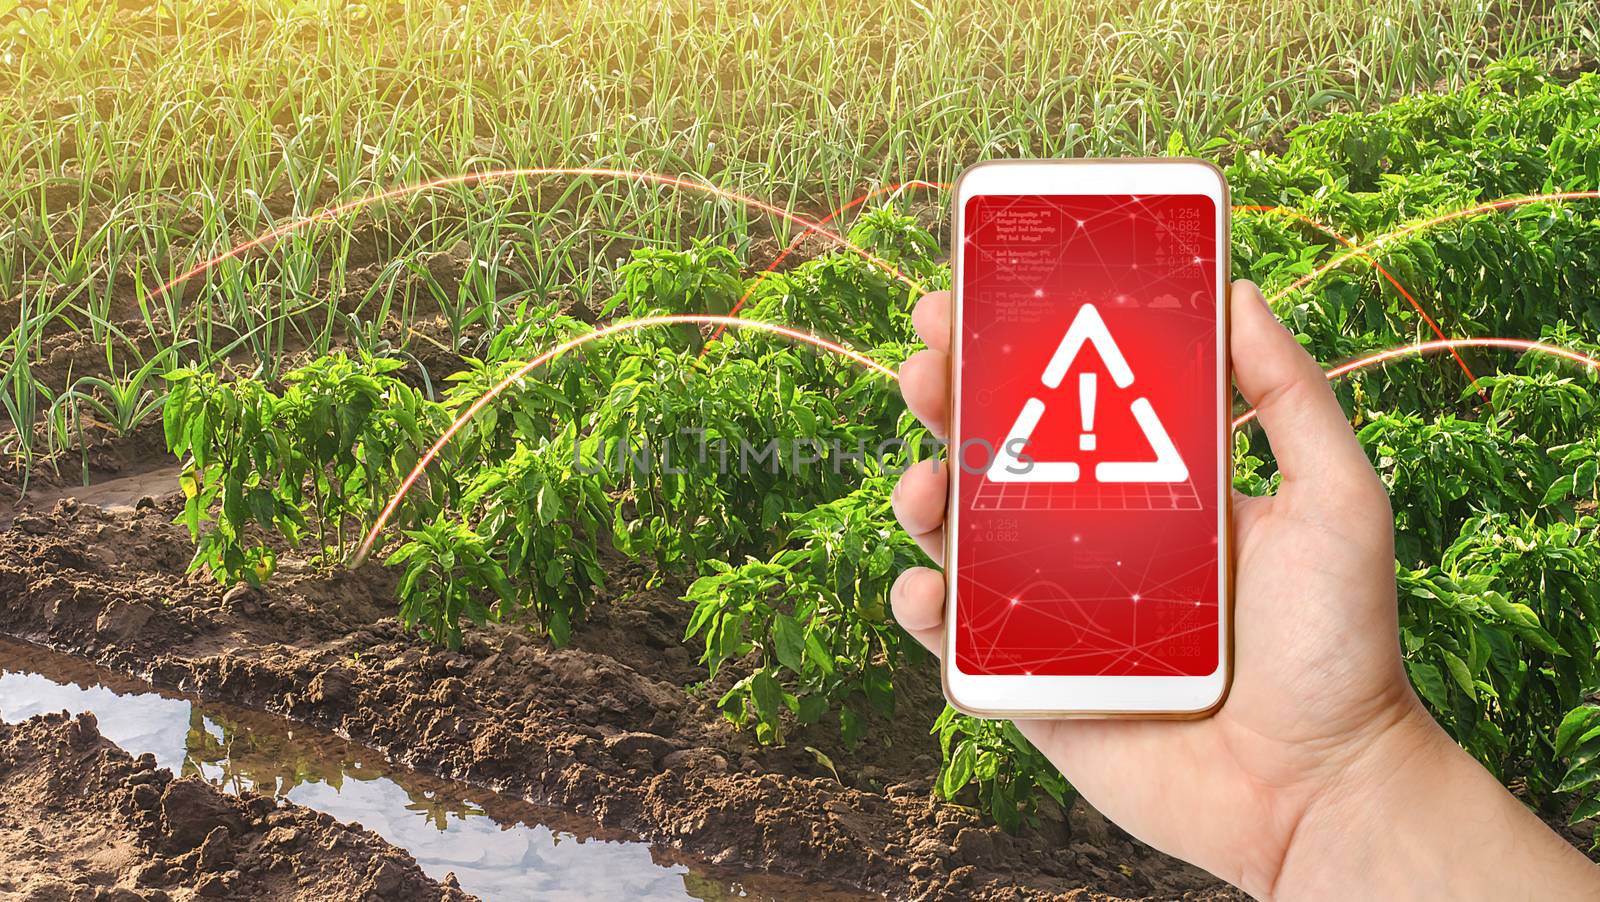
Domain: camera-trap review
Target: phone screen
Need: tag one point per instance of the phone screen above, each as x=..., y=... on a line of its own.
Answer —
x=1088, y=502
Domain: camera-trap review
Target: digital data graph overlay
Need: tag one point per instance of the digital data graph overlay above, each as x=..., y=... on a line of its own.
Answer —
x=1098, y=612
x=1090, y=496
x=1088, y=334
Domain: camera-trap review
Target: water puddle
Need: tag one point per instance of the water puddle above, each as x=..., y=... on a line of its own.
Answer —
x=119, y=494
x=499, y=848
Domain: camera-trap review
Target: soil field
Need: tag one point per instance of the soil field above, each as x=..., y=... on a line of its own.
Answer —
x=81, y=820
x=603, y=727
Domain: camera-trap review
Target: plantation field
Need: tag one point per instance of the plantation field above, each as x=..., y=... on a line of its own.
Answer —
x=142, y=140
x=701, y=656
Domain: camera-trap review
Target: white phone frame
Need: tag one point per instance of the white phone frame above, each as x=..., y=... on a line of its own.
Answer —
x=1012, y=696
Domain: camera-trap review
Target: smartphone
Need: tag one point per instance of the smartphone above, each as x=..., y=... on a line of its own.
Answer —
x=1087, y=548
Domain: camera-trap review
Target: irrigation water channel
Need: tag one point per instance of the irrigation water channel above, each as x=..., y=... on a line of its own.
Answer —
x=499, y=848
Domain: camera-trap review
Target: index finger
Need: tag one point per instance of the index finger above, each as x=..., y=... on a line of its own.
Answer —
x=931, y=316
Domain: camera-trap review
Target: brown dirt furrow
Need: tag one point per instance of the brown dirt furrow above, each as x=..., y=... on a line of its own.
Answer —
x=82, y=820
x=604, y=727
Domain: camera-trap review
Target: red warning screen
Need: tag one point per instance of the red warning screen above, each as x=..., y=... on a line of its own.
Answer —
x=1088, y=499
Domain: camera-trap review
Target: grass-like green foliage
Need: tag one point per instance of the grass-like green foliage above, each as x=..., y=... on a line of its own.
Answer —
x=144, y=138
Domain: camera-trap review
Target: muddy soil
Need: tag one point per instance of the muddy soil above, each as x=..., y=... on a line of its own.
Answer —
x=81, y=820
x=605, y=727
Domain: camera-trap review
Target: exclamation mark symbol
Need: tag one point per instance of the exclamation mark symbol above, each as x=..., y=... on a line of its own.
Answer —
x=1086, y=388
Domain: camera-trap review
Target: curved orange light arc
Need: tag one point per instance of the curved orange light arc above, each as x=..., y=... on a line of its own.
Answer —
x=1451, y=344
x=577, y=342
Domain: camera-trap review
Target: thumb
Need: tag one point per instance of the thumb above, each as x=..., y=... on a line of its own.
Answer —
x=1305, y=426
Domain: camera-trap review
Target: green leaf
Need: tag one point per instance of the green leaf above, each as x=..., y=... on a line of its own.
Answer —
x=547, y=505
x=825, y=761
x=958, y=771
x=1558, y=490
x=1581, y=776
x=1430, y=684
x=262, y=507
x=880, y=690
x=767, y=695
x=709, y=604
x=1003, y=808
x=817, y=654
x=851, y=727
x=811, y=709
x=788, y=642
x=233, y=506
x=1572, y=726
x=560, y=627
x=1458, y=670
x=1586, y=809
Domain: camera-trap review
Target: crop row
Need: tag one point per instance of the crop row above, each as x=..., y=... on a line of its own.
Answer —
x=790, y=560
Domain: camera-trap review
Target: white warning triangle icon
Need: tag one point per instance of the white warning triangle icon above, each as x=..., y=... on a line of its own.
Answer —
x=1088, y=328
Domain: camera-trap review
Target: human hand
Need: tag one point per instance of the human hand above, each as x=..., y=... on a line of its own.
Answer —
x=1322, y=753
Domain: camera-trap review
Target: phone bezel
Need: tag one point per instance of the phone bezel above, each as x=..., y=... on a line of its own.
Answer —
x=1012, y=696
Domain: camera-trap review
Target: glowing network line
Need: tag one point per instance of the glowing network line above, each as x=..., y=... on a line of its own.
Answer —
x=896, y=188
x=809, y=227
x=1237, y=208
x=1338, y=236
x=472, y=178
x=796, y=240
x=863, y=360
x=1449, y=344
x=1504, y=203
x=615, y=328
x=820, y=227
